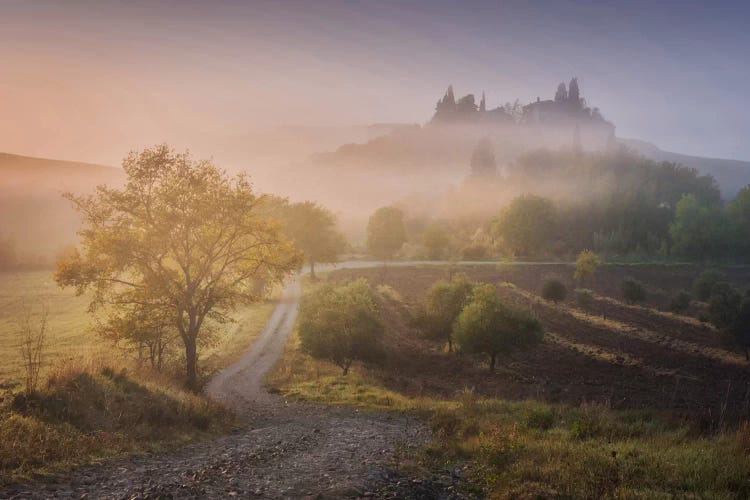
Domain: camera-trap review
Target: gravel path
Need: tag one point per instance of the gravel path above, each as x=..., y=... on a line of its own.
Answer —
x=288, y=450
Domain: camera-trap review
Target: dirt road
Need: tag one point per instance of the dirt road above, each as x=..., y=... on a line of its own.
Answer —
x=289, y=450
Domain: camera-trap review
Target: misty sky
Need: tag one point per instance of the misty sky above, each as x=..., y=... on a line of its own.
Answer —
x=89, y=80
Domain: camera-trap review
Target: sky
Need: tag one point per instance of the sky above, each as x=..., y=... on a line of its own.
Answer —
x=90, y=80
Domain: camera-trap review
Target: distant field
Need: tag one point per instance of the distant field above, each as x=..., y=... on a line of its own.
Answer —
x=69, y=335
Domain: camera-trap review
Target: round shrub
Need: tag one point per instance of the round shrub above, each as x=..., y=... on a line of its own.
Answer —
x=554, y=290
x=633, y=291
x=680, y=301
x=704, y=283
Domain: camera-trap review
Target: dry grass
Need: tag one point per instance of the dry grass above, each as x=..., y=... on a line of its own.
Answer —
x=94, y=412
x=70, y=339
x=95, y=402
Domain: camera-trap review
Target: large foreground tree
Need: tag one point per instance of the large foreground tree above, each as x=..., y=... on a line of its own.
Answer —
x=180, y=241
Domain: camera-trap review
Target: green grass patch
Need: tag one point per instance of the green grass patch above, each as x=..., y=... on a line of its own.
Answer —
x=532, y=449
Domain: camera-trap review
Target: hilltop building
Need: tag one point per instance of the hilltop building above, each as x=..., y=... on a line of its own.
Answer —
x=567, y=118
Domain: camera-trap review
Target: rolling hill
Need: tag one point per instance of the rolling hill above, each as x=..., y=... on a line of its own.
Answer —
x=34, y=217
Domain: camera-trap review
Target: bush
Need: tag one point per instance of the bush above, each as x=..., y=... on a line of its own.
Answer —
x=487, y=326
x=584, y=297
x=729, y=311
x=723, y=305
x=341, y=323
x=586, y=265
x=680, y=301
x=554, y=290
x=540, y=418
x=704, y=283
x=633, y=291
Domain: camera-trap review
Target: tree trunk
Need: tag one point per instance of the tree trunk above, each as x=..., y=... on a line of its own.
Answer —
x=492, y=363
x=191, y=363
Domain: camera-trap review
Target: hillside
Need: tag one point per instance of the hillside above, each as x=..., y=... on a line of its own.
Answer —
x=732, y=175
x=33, y=215
x=430, y=157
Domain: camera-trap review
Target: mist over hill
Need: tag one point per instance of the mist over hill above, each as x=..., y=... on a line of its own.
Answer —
x=354, y=169
x=410, y=159
x=35, y=220
x=731, y=175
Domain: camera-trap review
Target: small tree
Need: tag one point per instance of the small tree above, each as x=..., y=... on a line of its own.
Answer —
x=584, y=297
x=312, y=228
x=444, y=302
x=341, y=323
x=554, y=290
x=32, y=330
x=633, y=291
x=486, y=326
x=435, y=239
x=680, y=301
x=144, y=331
x=526, y=225
x=729, y=311
x=586, y=265
x=699, y=231
x=386, y=233
x=705, y=282
x=723, y=305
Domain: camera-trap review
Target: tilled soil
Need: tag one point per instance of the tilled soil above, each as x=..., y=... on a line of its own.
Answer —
x=617, y=355
x=289, y=450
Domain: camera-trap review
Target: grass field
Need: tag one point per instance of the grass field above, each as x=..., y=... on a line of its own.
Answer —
x=92, y=403
x=70, y=339
x=617, y=402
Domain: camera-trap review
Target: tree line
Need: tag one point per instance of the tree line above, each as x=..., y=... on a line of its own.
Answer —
x=617, y=203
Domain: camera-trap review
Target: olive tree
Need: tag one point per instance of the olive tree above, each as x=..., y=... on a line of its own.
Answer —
x=341, y=323
x=633, y=291
x=587, y=263
x=386, y=233
x=554, y=290
x=444, y=302
x=487, y=326
x=181, y=241
x=729, y=311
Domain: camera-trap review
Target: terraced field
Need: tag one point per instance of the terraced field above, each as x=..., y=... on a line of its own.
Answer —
x=610, y=353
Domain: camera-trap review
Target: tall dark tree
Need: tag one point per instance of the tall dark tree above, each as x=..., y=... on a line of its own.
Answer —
x=562, y=93
x=483, y=103
x=574, y=94
x=449, y=97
